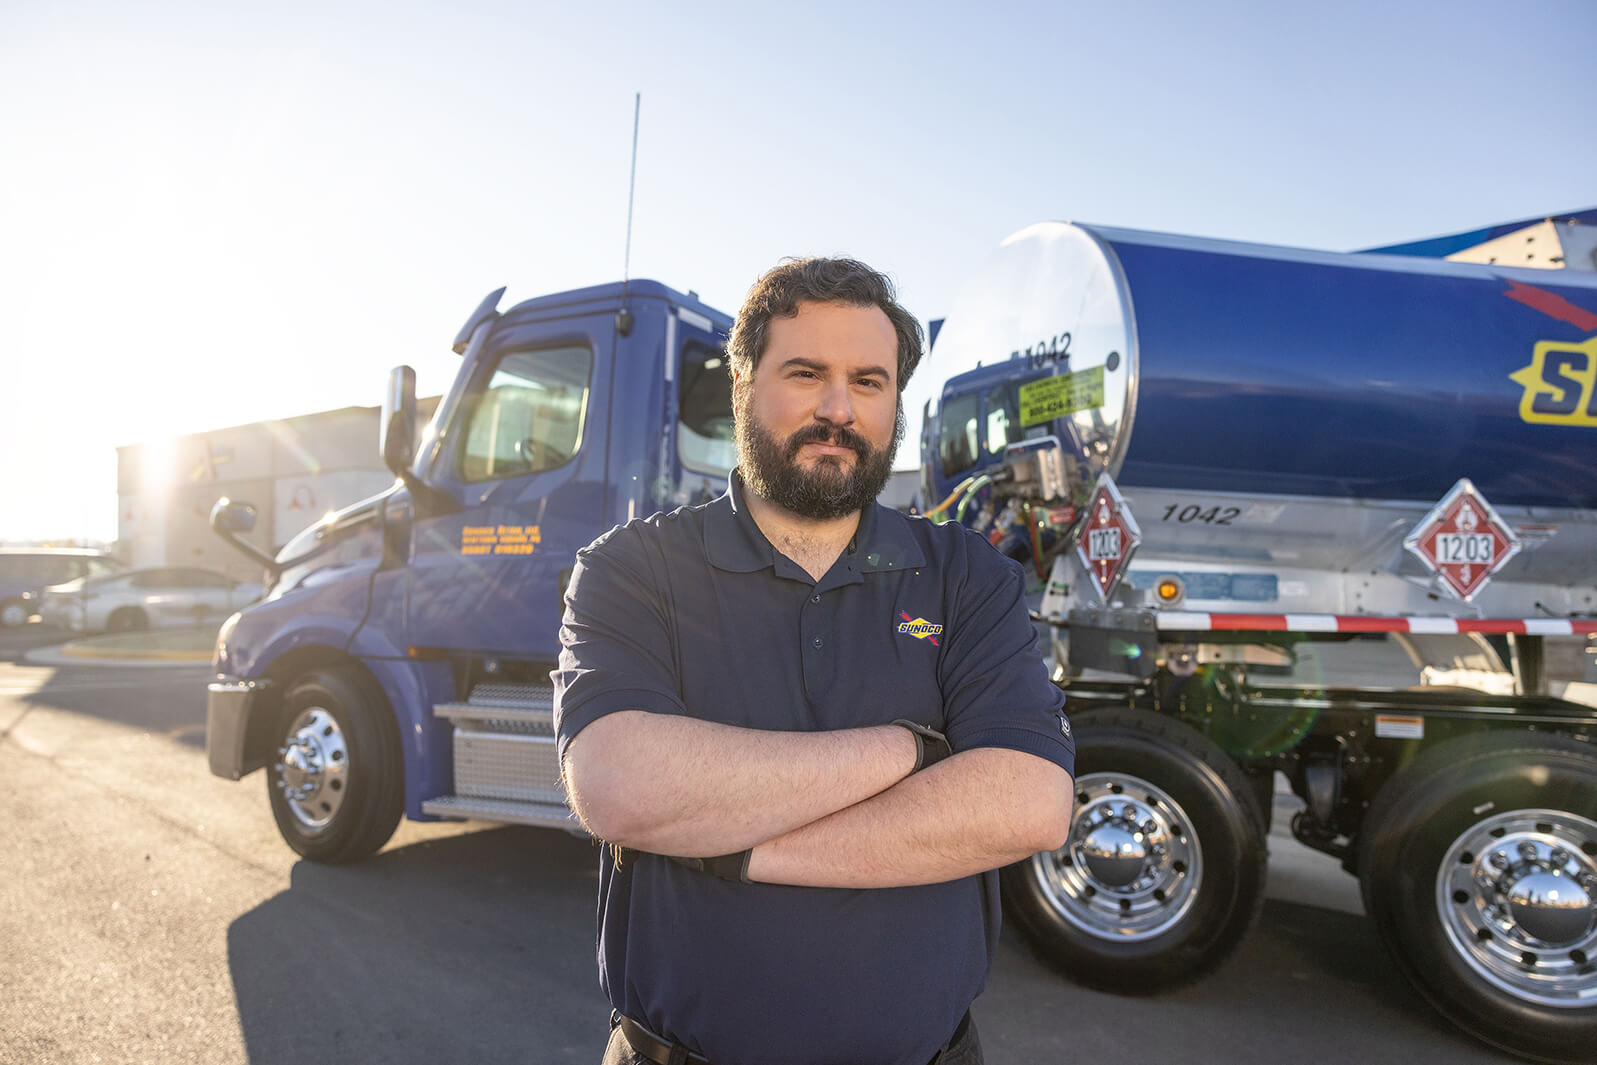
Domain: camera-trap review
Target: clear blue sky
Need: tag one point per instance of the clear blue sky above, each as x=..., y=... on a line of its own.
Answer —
x=214, y=213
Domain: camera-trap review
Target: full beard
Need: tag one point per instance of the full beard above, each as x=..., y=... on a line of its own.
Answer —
x=825, y=490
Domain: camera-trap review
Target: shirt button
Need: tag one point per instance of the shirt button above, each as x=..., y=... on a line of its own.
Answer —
x=815, y=599
x=816, y=643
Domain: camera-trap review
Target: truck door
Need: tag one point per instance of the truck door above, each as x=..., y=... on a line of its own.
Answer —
x=523, y=454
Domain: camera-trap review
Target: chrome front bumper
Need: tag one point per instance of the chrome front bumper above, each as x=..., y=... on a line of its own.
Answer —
x=228, y=705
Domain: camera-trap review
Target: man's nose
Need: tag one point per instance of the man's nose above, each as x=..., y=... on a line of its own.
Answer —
x=836, y=407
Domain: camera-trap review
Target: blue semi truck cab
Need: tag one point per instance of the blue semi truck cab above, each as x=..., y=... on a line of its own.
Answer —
x=399, y=663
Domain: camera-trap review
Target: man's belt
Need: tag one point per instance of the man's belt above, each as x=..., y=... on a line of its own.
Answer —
x=657, y=1050
x=653, y=1047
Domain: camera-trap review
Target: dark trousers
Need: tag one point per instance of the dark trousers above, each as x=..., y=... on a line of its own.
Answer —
x=966, y=1050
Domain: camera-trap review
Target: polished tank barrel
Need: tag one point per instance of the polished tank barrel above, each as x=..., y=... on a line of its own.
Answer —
x=1198, y=364
x=1280, y=420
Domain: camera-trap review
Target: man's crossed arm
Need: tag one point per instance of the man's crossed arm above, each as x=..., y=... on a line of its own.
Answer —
x=823, y=809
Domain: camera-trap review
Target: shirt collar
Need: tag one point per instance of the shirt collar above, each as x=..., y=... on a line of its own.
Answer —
x=731, y=539
x=883, y=542
x=733, y=542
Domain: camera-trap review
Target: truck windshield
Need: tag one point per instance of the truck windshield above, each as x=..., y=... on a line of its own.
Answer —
x=704, y=402
x=530, y=416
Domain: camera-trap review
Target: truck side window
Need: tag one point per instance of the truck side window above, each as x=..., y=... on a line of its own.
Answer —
x=957, y=432
x=530, y=416
x=705, y=441
x=1001, y=416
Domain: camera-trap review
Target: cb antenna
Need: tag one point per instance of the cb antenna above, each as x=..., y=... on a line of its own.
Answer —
x=624, y=315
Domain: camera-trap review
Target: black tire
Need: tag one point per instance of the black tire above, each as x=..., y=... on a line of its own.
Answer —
x=13, y=613
x=127, y=619
x=336, y=777
x=1461, y=927
x=1173, y=913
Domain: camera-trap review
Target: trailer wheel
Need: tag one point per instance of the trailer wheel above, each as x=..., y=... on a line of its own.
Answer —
x=1164, y=869
x=1478, y=864
x=336, y=782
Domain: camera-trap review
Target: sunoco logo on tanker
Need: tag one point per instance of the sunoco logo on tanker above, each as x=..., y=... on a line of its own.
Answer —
x=1561, y=381
x=1559, y=384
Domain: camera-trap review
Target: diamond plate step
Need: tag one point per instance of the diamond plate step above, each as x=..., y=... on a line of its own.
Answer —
x=515, y=714
x=540, y=814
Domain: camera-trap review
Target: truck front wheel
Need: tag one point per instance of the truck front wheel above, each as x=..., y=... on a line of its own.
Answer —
x=1478, y=864
x=336, y=779
x=1164, y=869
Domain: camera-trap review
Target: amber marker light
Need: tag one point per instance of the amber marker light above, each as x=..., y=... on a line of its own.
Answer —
x=1170, y=589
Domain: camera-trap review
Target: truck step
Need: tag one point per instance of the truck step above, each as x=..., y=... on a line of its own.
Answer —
x=520, y=696
x=529, y=720
x=504, y=745
x=540, y=814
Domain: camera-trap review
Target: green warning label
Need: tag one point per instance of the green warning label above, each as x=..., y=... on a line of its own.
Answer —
x=1054, y=397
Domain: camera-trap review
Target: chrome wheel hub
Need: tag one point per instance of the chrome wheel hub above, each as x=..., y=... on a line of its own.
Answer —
x=1132, y=865
x=313, y=768
x=1517, y=894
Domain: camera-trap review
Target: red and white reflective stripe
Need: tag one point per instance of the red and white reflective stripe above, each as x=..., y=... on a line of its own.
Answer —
x=1178, y=621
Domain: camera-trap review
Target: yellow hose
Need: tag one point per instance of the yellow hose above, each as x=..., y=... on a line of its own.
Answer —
x=958, y=491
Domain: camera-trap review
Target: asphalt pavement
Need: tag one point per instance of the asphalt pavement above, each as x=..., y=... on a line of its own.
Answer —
x=149, y=912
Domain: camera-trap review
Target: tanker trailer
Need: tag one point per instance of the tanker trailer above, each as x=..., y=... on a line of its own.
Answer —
x=1305, y=513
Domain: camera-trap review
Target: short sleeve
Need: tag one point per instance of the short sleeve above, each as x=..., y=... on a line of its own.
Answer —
x=996, y=690
x=616, y=645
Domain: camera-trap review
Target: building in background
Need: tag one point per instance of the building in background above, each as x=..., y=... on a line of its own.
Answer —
x=294, y=470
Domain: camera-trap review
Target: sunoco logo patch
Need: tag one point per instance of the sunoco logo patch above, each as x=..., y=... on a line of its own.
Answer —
x=919, y=628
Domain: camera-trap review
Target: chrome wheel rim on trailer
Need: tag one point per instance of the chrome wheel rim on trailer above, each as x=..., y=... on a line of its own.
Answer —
x=1132, y=866
x=1518, y=898
x=313, y=768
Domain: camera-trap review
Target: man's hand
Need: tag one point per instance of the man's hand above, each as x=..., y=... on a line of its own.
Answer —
x=734, y=867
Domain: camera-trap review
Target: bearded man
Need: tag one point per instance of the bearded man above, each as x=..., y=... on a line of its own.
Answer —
x=806, y=727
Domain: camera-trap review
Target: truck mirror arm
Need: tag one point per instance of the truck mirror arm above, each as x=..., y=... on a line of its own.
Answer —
x=228, y=518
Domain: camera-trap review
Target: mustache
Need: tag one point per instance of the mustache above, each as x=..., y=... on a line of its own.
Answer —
x=837, y=435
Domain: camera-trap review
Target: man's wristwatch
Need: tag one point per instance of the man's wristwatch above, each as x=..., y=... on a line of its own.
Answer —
x=931, y=746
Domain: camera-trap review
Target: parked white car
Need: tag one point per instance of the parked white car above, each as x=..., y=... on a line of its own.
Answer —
x=25, y=572
x=133, y=600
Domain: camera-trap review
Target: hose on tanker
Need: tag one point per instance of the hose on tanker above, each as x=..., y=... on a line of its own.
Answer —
x=958, y=491
x=977, y=484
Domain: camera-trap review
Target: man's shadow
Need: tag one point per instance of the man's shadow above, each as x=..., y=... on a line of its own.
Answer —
x=472, y=948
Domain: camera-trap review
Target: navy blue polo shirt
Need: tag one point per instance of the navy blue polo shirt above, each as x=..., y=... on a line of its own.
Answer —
x=695, y=612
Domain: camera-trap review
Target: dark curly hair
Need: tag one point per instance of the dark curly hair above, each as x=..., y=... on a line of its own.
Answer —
x=795, y=281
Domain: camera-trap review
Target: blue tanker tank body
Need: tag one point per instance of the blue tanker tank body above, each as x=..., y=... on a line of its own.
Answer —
x=1358, y=376
x=1280, y=419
